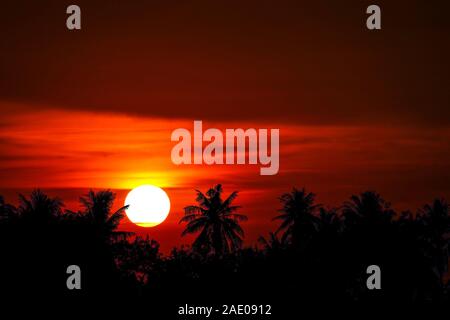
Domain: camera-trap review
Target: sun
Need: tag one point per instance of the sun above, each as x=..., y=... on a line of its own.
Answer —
x=148, y=205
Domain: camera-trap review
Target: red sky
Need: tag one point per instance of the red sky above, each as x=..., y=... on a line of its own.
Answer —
x=67, y=152
x=95, y=108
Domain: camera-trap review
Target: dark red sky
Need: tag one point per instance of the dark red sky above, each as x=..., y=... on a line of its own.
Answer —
x=95, y=108
x=306, y=62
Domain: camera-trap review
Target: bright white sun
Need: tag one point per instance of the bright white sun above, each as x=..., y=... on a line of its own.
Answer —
x=148, y=205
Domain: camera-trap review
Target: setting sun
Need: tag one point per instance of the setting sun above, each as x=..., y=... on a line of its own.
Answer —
x=148, y=205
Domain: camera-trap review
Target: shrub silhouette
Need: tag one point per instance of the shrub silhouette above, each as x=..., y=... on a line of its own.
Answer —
x=316, y=254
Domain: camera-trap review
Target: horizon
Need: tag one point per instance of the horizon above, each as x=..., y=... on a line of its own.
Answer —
x=221, y=127
x=168, y=233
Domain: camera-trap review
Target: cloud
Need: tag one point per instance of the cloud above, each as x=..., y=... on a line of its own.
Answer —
x=216, y=60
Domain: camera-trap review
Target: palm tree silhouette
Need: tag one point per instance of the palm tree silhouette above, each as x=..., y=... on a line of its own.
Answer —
x=299, y=221
x=216, y=220
x=368, y=207
x=436, y=221
x=97, y=210
x=330, y=220
x=7, y=211
x=413, y=249
x=39, y=208
x=272, y=243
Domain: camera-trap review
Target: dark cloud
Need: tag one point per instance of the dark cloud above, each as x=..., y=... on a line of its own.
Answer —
x=302, y=62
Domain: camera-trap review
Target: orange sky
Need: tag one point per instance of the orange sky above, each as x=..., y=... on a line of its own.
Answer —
x=67, y=152
x=356, y=109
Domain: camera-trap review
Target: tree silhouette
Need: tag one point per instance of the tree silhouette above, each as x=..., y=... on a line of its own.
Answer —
x=329, y=220
x=273, y=243
x=7, y=211
x=137, y=258
x=436, y=221
x=368, y=207
x=99, y=225
x=274, y=248
x=216, y=221
x=298, y=216
x=39, y=208
x=97, y=211
x=411, y=250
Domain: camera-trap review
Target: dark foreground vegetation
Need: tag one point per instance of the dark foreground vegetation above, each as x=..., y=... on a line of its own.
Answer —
x=317, y=254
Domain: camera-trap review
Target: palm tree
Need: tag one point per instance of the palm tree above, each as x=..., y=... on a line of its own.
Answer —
x=7, y=211
x=368, y=207
x=97, y=210
x=299, y=221
x=39, y=208
x=329, y=220
x=272, y=244
x=436, y=216
x=436, y=221
x=216, y=221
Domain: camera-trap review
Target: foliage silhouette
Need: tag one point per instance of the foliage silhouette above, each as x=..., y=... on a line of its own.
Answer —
x=39, y=208
x=7, y=211
x=436, y=224
x=97, y=212
x=216, y=221
x=298, y=216
x=316, y=254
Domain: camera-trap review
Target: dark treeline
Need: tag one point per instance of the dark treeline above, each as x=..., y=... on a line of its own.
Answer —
x=316, y=254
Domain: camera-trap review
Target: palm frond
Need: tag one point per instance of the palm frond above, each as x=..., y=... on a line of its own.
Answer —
x=202, y=240
x=282, y=216
x=193, y=210
x=230, y=199
x=194, y=226
x=189, y=217
x=237, y=217
x=285, y=224
x=202, y=200
x=114, y=220
x=233, y=225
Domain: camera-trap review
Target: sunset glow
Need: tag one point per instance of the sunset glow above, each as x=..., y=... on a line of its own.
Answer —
x=148, y=206
x=70, y=152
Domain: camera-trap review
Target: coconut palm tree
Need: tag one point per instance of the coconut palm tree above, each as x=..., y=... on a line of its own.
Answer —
x=39, y=208
x=7, y=211
x=299, y=220
x=368, y=208
x=435, y=218
x=216, y=220
x=272, y=243
x=97, y=210
x=330, y=220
